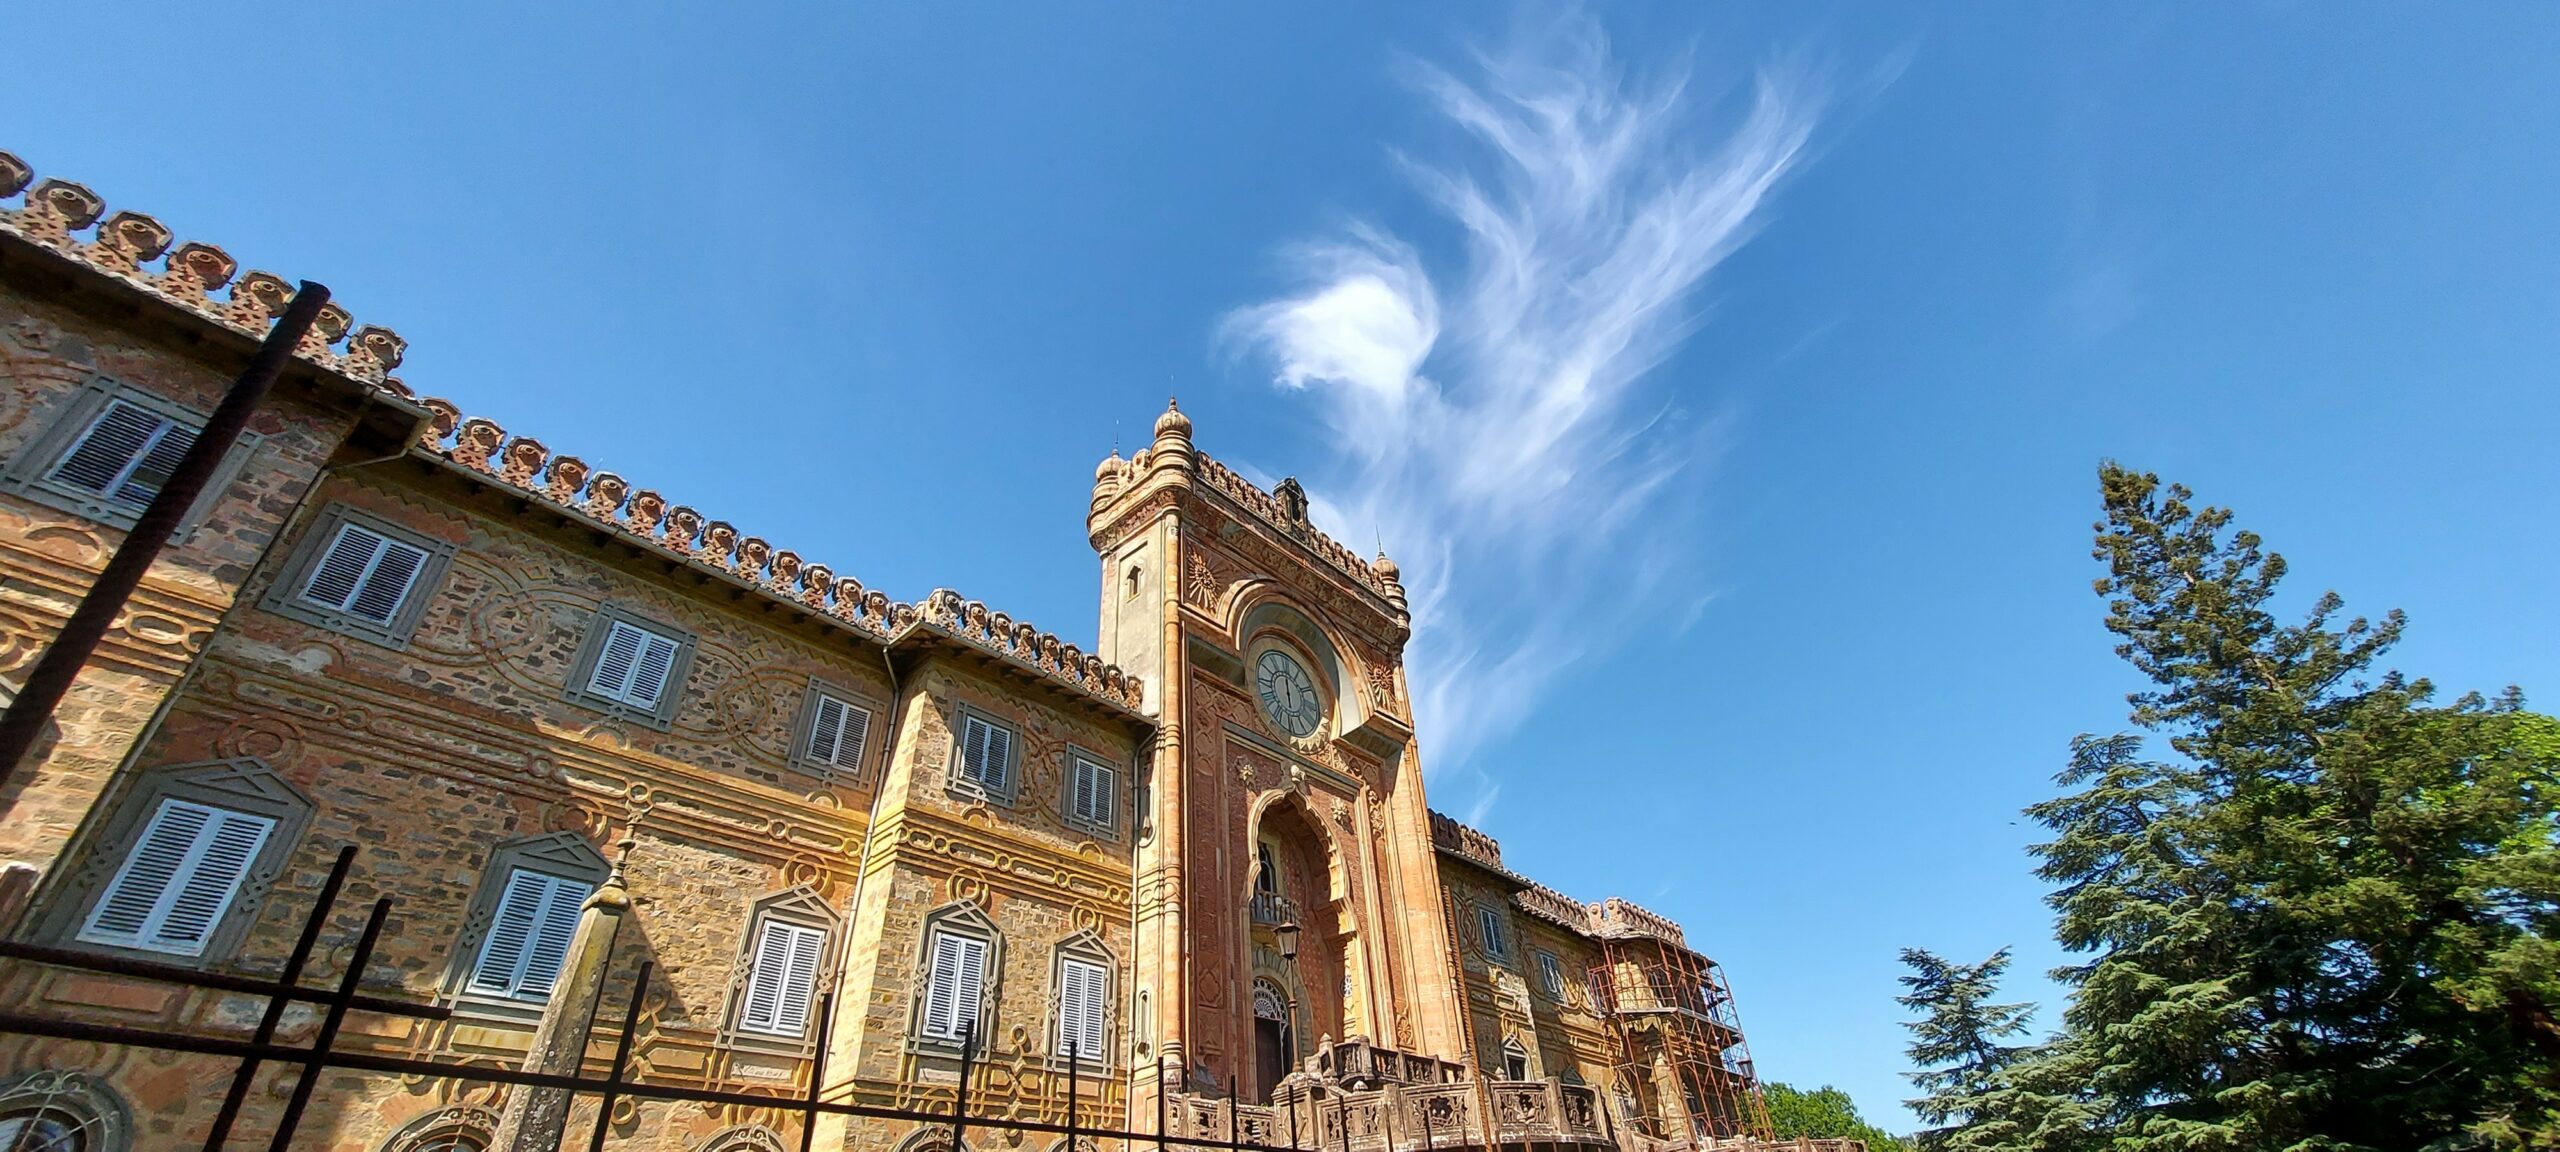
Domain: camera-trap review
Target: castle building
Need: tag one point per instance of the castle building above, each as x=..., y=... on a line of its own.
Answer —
x=573, y=726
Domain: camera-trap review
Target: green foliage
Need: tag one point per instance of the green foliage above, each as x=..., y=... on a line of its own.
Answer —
x=2330, y=920
x=1826, y=1113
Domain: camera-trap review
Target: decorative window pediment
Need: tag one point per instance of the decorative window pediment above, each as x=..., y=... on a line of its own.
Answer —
x=182, y=865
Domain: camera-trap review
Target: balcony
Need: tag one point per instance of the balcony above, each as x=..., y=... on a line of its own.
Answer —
x=1271, y=909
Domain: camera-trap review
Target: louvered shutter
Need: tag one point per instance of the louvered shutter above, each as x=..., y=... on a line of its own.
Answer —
x=126, y=454
x=1093, y=800
x=986, y=754
x=856, y=728
x=1083, y=1013
x=826, y=729
x=955, y=986
x=649, y=675
x=157, y=464
x=364, y=573
x=1106, y=796
x=612, y=677
x=184, y=872
x=529, y=935
x=784, y=979
x=552, y=934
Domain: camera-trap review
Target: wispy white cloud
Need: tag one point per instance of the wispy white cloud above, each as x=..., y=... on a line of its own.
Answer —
x=1498, y=418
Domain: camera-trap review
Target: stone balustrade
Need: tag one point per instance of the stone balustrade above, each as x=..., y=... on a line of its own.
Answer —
x=195, y=276
x=1264, y=505
x=1401, y=1117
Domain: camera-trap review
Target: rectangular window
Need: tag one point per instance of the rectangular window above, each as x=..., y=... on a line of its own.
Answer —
x=1551, y=974
x=1093, y=792
x=836, y=731
x=184, y=871
x=955, y=986
x=1084, y=1011
x=529, y=936
x=125, y=454
x=986, y=755
x=1266, y=872
x=1490, y=923
x=783, y=979
x=633, y=665
x=364, y=573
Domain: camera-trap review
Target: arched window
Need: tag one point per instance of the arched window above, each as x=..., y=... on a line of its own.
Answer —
x=461, y=1128
x=62, y=1112
x=744, y=1138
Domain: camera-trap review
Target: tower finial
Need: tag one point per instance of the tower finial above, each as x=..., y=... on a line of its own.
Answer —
x=1173, y=422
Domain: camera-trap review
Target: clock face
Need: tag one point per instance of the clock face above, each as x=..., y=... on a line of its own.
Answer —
x=1288, y=693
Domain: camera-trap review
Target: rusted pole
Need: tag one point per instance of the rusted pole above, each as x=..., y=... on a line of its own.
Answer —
x=818, y=1072
x=960, y=1099
x=1071, y=1093
x=621, y=1057
x=292, y=974
x=318, y=1057
x=1231, y=1112
x=54, y=671
x=1161, y=1091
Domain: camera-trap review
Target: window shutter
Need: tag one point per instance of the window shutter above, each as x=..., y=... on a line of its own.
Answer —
x=364, y=573
x=857, y=728
x=971, y=990
x=649, y=676
x=622, y=644
x=181, y=877
x=125, y=455
x=942, y=988
x=529, y=936
x=999, y=758
x=783, y=979
x=826, y=729
x=552, y=934
x=1105, y=784
x=974, y=737
x=1083, y=1013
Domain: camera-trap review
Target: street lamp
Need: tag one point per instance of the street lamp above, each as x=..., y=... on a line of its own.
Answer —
x=1286, y=935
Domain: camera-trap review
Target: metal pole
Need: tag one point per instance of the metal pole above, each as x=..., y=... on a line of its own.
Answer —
x=1231, y=1112
x=1071, y=1094
x=54, y=671
x=1161, y=1092
x=621, y=1057
x=1342, y=1117
x=318, y=1057
x=818, y=1072
x=1293, y=1126
x=960, y=1100
x=276, y=1004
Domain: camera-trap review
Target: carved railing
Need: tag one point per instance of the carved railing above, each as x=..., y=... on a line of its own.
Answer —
x=645, y=517
x=191, y=275
x=1266, y=506
x=1403, y=1117
x=1271, y=909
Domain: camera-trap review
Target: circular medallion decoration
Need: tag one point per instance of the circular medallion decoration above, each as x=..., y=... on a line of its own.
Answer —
x=1288, y=693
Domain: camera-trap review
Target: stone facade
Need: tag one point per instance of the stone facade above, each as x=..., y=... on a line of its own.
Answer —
x=1220, y=810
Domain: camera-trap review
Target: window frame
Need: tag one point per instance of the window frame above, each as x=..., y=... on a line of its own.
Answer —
x=959, y=782
x=285, y=595
x=1085, y=947
x=245, y=785
x=28, y=473
x=591, y=650
x=804, y=728
x=1551, y=975
x=88, y=1100
x=563, y=854
x=1492, y=933
x=802, y=908
x=964, y=919
x=1108, y=826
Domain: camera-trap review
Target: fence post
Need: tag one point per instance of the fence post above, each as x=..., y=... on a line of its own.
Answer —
x=1231, y=1112
x=1161, y=1092
x=318, y=1056
x=220, y=1134
x=960, y=1099
x=1071, y=1093
x=818, y=1071
x=621, y=1057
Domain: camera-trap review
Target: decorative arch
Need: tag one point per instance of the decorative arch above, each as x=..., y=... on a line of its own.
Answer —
x=35, y=1103
x=1337, y=871
x=1261, y=615
x=931, y=1138
x=744, y=1138
x=460, y=1128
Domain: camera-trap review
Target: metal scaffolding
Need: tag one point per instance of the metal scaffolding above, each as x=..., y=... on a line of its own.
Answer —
x=1680, y=1050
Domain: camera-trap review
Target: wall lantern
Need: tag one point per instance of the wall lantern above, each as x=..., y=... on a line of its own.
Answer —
x=1287, y=937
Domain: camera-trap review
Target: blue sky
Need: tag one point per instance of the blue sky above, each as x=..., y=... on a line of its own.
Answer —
x=1743, y=437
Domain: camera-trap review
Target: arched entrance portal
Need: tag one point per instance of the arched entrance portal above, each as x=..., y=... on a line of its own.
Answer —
x=1294, y=904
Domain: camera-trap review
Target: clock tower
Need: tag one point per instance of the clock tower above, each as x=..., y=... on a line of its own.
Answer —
x=1287, y=892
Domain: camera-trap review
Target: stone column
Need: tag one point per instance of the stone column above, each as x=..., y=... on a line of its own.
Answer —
x=535, y=1118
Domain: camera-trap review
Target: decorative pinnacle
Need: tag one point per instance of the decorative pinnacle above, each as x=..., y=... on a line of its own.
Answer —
x=1173, y=422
